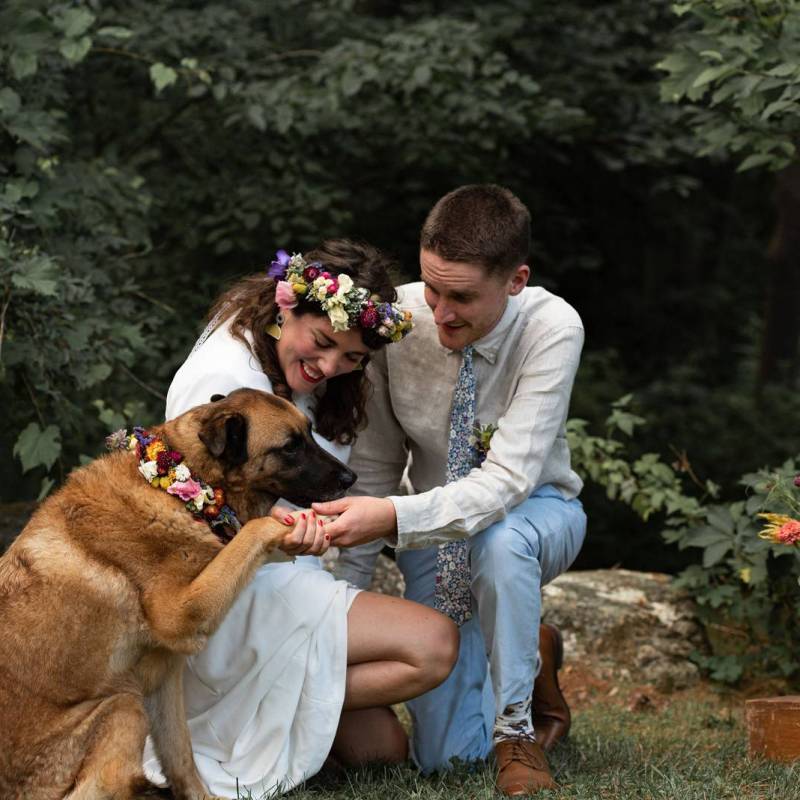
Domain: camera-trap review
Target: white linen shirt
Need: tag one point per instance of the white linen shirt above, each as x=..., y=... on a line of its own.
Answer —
x=524, y=368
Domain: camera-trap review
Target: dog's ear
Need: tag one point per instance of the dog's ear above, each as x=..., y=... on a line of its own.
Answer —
x=225, y=436
x=215, y=398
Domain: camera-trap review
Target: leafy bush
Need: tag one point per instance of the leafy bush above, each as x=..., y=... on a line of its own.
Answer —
x=747, y=588
x=734, y=64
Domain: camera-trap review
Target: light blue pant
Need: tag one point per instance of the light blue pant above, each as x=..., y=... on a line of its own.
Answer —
x=510, y=561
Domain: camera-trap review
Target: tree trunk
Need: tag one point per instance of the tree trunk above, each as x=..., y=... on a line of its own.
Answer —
x=779, y=352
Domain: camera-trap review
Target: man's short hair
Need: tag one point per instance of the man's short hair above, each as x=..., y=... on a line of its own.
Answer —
x=479, y=224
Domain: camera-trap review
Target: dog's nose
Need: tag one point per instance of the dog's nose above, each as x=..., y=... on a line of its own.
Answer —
x=347, y=478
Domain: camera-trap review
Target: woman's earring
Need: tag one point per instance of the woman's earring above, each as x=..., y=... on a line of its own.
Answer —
x=274, y=330
x=358, y=367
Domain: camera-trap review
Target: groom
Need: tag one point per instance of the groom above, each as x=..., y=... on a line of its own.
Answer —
x=477, y=396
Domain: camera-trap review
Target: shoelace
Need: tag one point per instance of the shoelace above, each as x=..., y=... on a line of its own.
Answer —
x=525, y=755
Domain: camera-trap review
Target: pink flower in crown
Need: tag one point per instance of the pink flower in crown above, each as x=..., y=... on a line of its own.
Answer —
x=333, y=286
x=311, y=273
x=285, y=296
x=186, y=490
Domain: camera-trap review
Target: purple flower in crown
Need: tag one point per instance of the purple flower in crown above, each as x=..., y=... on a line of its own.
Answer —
x=278, y=268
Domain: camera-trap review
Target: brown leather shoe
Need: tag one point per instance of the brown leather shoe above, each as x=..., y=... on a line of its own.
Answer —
x=522, y=767
x=551, y=717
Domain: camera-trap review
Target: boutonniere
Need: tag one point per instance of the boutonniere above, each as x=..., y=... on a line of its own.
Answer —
x=482, y=437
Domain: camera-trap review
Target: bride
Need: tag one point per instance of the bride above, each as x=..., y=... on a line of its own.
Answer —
x=304, y=665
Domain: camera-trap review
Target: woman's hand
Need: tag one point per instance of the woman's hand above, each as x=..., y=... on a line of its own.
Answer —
x=307, y=537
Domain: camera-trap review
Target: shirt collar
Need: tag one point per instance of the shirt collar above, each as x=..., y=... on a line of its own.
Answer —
x=488, y=346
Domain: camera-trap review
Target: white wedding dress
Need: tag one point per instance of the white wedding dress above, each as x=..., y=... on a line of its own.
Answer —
x=263, y=699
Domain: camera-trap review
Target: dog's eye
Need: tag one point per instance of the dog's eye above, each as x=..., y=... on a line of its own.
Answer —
x=292, y=446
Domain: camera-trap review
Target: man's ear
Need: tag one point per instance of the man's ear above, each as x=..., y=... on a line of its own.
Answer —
x=519, y=279
x=225, y=436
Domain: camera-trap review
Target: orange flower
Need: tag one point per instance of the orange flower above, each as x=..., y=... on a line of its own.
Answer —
x=780, y=529
x=154, y=448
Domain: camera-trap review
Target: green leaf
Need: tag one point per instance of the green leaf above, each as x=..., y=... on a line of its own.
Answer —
x=23, y=65
x=784, y=70
x=711, y=74
x=715, y=552
x=9, y=101
x=115, y=31
x=421, y=76
x=777, y=106
x=75, y=50
x=94, y=374
x=75, y=21
x=47, y=484
x=36, y=447
x=40, y=276
x=256, y=115
x=755, y=160
x=706, y=537
x=162, y=76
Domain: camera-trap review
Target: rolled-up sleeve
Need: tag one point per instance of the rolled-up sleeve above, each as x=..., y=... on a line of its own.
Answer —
x=520, y=446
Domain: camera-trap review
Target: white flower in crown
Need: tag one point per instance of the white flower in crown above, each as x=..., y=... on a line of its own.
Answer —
x=297, y=262
x=340, y=321
x=320, y=288
x=182, y=473
x=345, y=285
x=149, y=469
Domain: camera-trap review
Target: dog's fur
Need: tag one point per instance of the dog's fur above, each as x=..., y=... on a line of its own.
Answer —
x=112, y=583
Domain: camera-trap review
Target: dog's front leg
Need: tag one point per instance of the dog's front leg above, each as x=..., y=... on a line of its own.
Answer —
x=171, y=736
x=182, y=618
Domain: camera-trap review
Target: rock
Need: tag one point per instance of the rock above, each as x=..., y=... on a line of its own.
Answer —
x=622, y=620
x=387, y=578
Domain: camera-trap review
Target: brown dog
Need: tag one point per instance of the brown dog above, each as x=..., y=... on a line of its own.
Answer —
x=113, y=583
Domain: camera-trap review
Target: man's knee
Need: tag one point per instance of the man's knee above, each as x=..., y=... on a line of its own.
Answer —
x=503, y=548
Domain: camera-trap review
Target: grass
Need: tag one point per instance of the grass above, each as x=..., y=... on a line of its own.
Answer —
x=694, y=749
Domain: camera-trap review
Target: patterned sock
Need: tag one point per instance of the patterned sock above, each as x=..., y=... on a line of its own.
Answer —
x=515, y=722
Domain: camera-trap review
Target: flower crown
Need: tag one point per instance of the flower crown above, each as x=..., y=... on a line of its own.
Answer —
x=347, y=305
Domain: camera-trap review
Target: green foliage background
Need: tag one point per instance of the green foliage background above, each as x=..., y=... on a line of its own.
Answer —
x=151, y=152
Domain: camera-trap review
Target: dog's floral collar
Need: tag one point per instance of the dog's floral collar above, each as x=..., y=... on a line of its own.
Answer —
x=347, y=305
x=163, y=468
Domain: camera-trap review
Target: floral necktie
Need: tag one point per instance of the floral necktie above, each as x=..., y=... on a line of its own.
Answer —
x=452, y=593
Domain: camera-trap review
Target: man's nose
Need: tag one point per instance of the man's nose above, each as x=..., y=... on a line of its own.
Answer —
x=443, y=314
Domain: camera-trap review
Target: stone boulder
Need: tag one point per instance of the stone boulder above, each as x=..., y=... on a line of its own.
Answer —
x=627, y=624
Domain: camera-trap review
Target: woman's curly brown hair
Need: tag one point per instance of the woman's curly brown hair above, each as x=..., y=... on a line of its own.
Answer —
x=250, y=303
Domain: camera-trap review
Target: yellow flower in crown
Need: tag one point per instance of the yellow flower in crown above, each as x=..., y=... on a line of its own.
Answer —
x=154, y=448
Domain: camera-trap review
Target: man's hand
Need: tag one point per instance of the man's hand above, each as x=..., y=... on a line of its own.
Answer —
x=361, y=520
